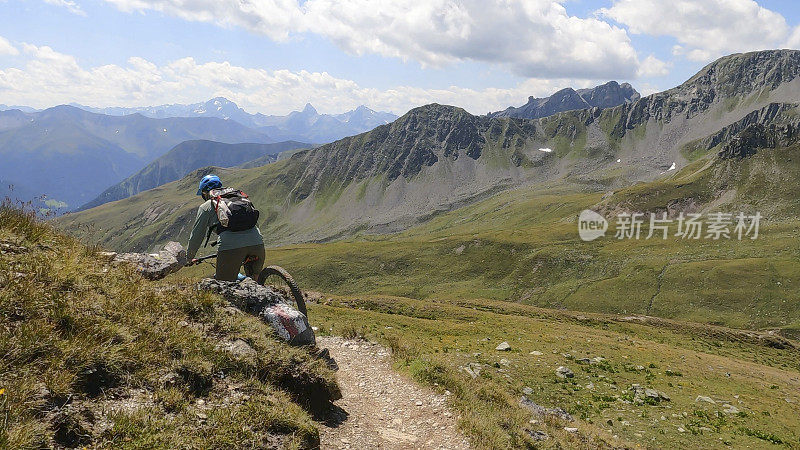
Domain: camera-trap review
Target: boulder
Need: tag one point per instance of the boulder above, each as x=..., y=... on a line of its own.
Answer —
x=704, y=399
x=527, y=390
x=503, y=347
x=237, y=347
x=730, y=409
x=542, y=411
x=271, y=307
x=473, y=369
x=642, y=393
x=564, y=372
x=154, y=266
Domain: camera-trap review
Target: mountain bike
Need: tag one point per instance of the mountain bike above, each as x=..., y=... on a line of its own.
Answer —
x=276, y=277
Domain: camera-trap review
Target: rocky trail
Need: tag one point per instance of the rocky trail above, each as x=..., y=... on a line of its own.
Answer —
x=383, y=409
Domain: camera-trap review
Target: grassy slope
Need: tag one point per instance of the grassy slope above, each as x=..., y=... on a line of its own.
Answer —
x=433, y=340
x=522, y=246
x=84, y=350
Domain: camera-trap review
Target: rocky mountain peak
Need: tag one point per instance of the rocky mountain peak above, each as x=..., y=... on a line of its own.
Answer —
x=604, y=96
x=309, y=110
x=609, y=95
x=744, y=73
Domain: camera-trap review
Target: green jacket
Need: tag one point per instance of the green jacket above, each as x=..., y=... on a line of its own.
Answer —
x=207, y=218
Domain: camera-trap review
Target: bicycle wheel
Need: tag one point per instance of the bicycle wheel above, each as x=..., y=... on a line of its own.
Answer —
x=279, y=279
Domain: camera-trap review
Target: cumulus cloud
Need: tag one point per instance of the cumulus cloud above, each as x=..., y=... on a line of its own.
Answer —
x=48, y=77
x=705, y=29
x=534, y=38
x=69, y=5
x=794, y=39
x=273, y=18
x=653, y=67
x=6, y=48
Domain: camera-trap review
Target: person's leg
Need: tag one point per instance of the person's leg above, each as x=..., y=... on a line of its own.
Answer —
x=253, y=268
x=228, y=263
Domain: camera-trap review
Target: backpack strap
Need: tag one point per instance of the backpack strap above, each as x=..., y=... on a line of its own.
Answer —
x=215, y=194
x=208, y=236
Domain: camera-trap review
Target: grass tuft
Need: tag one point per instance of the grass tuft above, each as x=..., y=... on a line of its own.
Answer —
x=96, y=356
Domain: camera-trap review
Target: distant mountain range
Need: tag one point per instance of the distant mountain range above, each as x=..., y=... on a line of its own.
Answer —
x=303, y=126
x=188, y=156
x=26, y=109
x=72, y=155
x=604, y=96
x=437, y=158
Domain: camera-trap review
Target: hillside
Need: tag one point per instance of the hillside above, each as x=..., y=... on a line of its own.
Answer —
x=631, y=381
x=94, y=356
x=72, y=155
x=99, y=357
x=438, y=158
x=604, y=96
x=188, y=156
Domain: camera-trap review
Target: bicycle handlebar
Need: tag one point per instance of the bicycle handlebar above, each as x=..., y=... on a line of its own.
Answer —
x=200, y=259
x=203, y=258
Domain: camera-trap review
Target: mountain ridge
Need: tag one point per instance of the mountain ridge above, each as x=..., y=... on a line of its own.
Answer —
x=306, y=125
x=71, y=155
x=606, y=95
x=436, y=158
x=186, y=157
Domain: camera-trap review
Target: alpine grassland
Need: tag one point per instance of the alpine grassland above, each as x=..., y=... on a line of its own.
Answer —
x=454, y=239
x=624, y=315
x=93, y=356
x=523, y=246
x=713, y=386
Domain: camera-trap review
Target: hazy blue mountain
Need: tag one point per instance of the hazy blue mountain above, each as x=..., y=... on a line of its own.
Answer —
x=26, y=109
x=604, y=96
x=303, y=126
x=219, y=107
x=13, y=118
x=72, y=155
x=188, y=156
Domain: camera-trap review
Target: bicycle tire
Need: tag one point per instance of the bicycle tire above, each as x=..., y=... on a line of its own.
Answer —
x=293, y=289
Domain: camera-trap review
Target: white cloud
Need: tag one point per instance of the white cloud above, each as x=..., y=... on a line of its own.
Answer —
x=70, y=5
x=6, y=48
x=49, y=77
x=648, y=89
x=653, y=67
x=794, y=39
x=534, y=38
x=705, y=29
x=273, y=18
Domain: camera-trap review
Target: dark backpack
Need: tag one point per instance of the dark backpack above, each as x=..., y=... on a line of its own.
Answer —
x=234, y=210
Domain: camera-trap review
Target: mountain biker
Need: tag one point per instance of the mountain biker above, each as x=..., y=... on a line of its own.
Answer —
x=236, y=248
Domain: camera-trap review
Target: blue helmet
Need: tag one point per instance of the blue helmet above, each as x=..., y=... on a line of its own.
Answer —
x=208, y=183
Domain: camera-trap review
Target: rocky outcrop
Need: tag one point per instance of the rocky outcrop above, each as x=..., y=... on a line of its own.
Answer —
x=609, y=95
x=288, y=323
x=773, y=114
x=400, y=149
x=733, y=77
x=604, y=96
x=542, y=411
x=758, y=136
x=154, y=266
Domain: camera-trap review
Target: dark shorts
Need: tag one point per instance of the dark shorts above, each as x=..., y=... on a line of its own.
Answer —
x=229, y=262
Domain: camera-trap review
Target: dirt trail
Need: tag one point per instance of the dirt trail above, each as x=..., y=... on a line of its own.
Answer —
x=383, y=408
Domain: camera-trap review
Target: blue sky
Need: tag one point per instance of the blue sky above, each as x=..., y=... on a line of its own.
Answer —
x=273, y=56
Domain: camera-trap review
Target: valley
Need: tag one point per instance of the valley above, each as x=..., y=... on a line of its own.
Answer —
x=453, y=240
